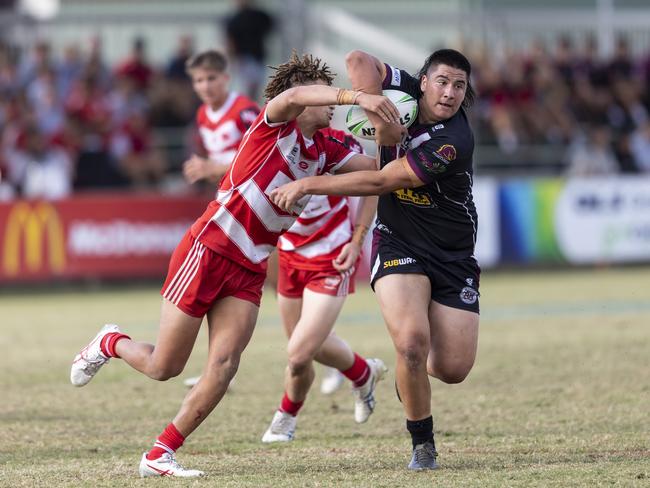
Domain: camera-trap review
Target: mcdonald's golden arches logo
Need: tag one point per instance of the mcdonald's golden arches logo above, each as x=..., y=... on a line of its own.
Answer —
x=38, y=228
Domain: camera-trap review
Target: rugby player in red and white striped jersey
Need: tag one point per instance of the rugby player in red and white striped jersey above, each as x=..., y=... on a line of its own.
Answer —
x=222, y=119
x=317, y=260
x=218, y=268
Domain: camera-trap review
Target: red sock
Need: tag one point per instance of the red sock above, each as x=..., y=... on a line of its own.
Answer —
x=359, y=372
x=107, y=345
x=289, y=406
x=169, y=441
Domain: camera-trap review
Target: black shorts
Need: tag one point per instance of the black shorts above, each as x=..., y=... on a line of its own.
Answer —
x=453, y=283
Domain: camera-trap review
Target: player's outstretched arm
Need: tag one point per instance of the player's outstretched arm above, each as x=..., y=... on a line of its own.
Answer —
x=290, y=103
x=367, y=73
x=351, y=251
x=395, y=175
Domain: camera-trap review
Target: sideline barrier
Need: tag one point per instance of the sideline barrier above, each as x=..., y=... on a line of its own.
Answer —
x=107, y=236
x=578, y=221
x=521, y=222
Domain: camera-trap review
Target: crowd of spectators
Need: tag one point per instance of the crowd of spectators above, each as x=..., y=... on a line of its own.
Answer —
x=72, y=122
x=594, y=110
x=69, y=121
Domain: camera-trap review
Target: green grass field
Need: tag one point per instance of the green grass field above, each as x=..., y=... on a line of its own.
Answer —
x=559, y=396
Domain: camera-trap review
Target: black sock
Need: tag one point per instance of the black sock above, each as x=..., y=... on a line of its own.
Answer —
x=421, y=430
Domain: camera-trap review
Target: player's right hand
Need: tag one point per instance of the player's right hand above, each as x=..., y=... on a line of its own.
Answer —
x=379, y=105
x=195, y=169
x=347, y=257
x=389, y=134
x=286, y=196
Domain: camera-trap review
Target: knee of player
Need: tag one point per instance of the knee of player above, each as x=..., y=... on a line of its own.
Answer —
x=165, y=372
x=414, y=353
x=452, y=374
x=299, y=356
x=226, y=363
x=298, y=365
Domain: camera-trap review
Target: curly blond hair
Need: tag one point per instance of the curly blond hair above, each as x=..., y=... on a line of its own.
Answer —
x=299, y=70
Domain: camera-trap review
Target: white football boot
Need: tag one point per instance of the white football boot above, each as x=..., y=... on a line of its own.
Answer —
x=364, y=396
x=165, y=465
x=90, y=358
x=281, y=429
x=332, y=381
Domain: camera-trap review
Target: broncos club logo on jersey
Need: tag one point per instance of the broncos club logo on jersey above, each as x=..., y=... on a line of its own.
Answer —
x=441, y=159
x=447, y=153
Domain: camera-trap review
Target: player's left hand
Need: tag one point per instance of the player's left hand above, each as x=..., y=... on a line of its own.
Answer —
x=287, y=195
x=379, y=105
x=347, y=257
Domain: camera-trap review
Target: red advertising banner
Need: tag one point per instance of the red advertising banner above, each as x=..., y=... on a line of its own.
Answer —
x=107, y=236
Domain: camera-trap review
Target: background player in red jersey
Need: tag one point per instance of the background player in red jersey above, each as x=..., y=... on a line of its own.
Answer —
x=218, y=269
x=317, y=260
x=221, y=121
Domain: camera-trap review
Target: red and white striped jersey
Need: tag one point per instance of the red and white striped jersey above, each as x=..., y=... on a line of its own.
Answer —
x=243, y=224
x=222, y=130
x=325, y=225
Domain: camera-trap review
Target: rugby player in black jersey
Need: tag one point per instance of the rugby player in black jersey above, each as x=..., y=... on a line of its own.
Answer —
x=423, y=269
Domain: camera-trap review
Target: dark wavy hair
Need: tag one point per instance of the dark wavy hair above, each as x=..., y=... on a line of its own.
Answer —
x=455, y=59
x=299, y=70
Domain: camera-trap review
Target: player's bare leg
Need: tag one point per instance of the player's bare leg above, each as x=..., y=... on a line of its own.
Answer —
x=313, y=331
x=454, y=340
x=337, y=356
x=176, y=337
x=231, y=322
x=335, y=353
x=289, y=312
x=309, y=329
x=404, y=300
x=317, y=317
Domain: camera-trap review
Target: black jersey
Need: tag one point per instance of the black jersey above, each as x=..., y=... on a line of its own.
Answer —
x=438, y=218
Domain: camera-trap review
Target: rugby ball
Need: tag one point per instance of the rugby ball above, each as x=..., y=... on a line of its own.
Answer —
x=357, y=121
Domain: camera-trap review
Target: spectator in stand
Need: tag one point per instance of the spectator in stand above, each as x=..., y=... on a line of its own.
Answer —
x=246, y=32
x=172, y=100
x=176, y=66
x=38, y=169
x=125, y=101
x=96, y=66
x=40, y=58
x=44, y=98
x=640, y=147
x=136, y=158
x=88, y=101
x=70, y=69
x=588, y=67
x=592, y=155
x=8, y=71
x=565, y=60
x=137, y=67
x=621, y=66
